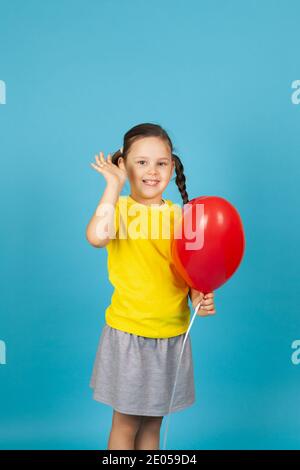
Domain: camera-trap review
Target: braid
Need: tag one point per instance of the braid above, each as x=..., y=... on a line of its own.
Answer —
x=180, y=178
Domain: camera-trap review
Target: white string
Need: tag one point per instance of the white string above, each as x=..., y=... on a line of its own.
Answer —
x=171, y=402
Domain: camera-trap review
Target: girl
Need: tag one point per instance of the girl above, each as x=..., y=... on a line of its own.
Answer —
x=139, y=347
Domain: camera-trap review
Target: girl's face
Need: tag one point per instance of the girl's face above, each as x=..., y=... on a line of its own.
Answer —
x=149, y=168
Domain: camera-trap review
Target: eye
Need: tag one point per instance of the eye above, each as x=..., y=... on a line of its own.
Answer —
x=163, y=163
x=141, y=161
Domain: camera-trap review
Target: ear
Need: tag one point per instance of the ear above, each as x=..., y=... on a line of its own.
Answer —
x=121, y=163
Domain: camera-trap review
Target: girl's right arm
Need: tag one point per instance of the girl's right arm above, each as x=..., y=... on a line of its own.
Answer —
x=98, y=222
x=115, y=177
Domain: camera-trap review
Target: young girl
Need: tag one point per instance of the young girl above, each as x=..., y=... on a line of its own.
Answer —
x=140, y=344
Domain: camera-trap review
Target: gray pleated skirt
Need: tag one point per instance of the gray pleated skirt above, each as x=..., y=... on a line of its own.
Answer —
x=135, y=374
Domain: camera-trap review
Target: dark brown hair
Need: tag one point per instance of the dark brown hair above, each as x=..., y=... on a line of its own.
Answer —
x=153, y=130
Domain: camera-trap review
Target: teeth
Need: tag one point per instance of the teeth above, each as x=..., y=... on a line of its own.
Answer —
x=151, y=182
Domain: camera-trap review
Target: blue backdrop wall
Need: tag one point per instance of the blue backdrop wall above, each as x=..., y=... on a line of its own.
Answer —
x=223, y=78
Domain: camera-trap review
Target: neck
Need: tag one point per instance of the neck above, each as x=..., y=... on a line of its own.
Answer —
x=148, y=201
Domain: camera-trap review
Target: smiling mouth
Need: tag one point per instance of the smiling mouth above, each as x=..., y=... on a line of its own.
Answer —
x=150, y=182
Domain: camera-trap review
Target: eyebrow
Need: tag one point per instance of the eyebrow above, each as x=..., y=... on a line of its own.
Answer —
x=162, y=158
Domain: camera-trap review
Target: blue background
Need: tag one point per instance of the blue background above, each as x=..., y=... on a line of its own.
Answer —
x=217, y=75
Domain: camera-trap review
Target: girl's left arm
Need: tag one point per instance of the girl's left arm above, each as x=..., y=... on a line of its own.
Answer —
x=207, y=307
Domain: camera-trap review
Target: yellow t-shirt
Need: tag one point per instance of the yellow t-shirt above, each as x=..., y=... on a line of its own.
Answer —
x=150, y=298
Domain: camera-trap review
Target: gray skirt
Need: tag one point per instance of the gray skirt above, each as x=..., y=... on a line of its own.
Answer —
x=135, y=374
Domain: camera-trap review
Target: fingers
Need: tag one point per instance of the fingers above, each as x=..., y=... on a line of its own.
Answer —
x=208, y=299
x=101, y=160
x=205, y=313
x=101, y=163
x=207, y=306
x=97, y=167
x=211, y=312
x=208, y=303
x=98, y=160
x=209, y=295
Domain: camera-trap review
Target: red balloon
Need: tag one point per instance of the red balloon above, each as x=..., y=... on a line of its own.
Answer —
x=209, y=242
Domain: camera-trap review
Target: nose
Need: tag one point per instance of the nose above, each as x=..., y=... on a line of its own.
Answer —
x=152, y=171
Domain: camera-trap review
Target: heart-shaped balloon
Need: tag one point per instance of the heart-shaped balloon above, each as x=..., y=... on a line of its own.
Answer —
x=209, y=242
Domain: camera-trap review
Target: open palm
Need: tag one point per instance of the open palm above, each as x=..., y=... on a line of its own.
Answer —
x=111, y=172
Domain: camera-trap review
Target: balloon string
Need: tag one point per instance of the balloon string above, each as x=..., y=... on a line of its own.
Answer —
x=172, y=396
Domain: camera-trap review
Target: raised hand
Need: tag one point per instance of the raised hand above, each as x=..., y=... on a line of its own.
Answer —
x=113, y=174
